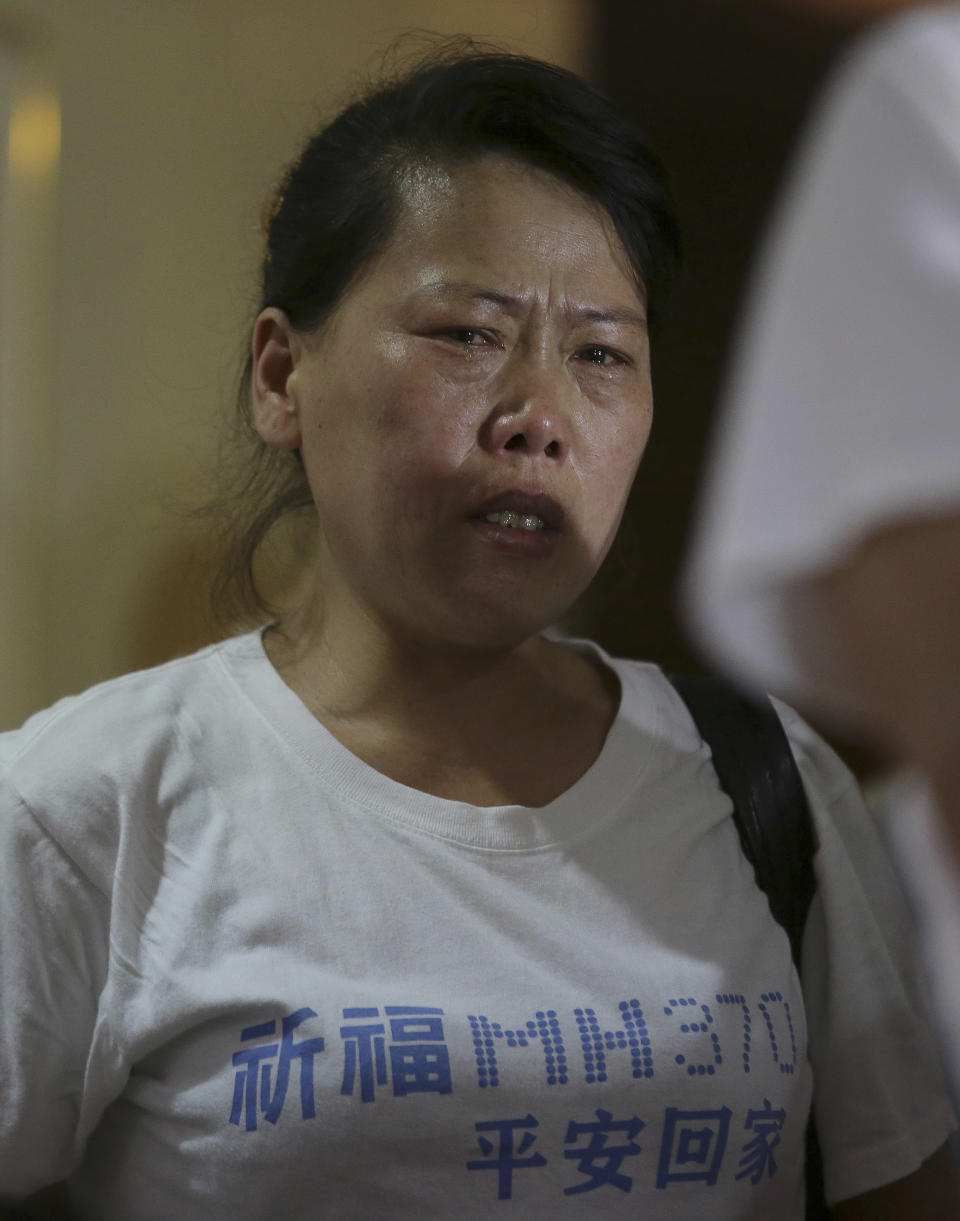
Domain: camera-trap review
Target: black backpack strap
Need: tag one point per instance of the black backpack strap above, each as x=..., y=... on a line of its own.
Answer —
x=757, y=770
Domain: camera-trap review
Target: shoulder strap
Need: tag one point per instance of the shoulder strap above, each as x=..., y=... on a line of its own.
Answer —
x=756, y=768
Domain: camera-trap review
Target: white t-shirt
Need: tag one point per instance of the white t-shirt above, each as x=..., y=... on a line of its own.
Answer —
x=843, y=409
x=245, y=975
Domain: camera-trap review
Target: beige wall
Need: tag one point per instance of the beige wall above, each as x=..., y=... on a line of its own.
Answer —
x=123, y=328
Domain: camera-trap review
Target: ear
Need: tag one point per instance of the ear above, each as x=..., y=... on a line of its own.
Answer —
x=276, y=350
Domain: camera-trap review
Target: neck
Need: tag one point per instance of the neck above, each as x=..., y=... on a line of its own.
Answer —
x=350, y=668
x=516, y=724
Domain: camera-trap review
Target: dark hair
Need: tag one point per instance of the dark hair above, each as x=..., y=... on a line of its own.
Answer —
x=338, y=203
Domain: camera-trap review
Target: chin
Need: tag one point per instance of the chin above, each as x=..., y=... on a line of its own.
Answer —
x=490, y=626
x=503, y=640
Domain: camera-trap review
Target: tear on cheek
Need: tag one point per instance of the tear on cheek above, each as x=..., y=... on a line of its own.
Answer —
x=393, y=349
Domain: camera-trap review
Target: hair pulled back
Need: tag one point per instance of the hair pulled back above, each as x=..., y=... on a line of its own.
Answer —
x=339, y=202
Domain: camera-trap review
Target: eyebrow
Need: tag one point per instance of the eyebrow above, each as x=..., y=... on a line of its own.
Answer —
x=514, y=305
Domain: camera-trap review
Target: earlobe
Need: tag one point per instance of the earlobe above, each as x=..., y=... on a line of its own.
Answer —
x=275, y=351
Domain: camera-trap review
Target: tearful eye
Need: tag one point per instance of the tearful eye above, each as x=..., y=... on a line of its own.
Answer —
x=597, y=354
x=469, y=336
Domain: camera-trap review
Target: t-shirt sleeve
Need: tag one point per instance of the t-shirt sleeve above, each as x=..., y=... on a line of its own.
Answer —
x=840, y=413
x=880, y=1097
x=54, y=929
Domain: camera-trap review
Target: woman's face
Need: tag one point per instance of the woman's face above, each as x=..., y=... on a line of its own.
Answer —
x=472, y=416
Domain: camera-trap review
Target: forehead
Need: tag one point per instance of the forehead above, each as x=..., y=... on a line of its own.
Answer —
x=499, y=217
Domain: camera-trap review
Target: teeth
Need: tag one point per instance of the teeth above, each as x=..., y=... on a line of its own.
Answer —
x=519, y=521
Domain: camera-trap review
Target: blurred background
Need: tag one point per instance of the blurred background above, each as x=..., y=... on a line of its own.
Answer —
x=139, y=142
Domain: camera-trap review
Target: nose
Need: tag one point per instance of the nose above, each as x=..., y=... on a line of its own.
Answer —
x=530, y=416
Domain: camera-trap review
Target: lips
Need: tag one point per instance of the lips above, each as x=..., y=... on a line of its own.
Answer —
x=527, y=504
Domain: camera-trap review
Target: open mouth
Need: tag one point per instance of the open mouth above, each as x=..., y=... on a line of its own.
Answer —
x=521, y=524
x=515, y=520
x=519, y=510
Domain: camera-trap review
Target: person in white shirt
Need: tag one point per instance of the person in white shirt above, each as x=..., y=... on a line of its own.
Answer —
x=403, y=905
x=826, y=564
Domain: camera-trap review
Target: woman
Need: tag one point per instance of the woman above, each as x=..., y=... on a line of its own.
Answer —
x=404, y=906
